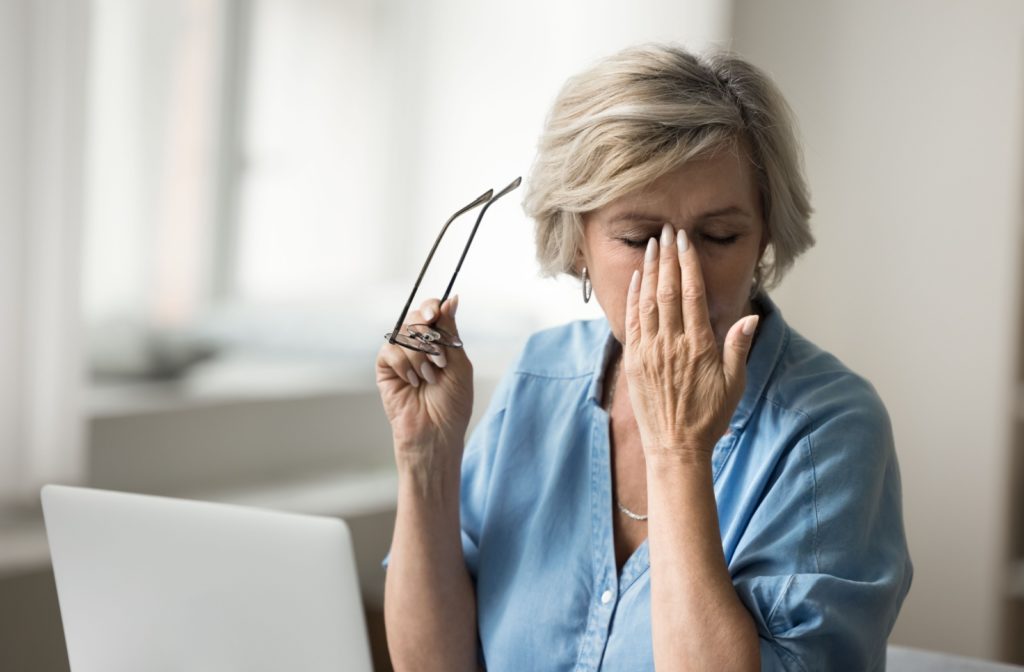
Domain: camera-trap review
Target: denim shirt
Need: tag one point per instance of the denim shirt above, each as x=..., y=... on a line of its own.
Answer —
x=809, y=508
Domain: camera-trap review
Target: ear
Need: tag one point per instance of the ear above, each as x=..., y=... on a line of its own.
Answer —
x=578, y=262
x=765, y=239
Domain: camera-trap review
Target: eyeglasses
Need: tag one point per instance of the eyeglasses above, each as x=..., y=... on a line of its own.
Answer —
x=425, y=337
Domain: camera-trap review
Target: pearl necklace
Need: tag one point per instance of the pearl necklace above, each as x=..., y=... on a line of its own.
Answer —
x=611, y=395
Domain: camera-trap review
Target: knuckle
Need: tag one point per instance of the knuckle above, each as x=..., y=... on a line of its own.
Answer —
x=702, y=348
x=389, y=352
x=693, y=290
x=667, y=294
x=431, y=307
x=648, y=308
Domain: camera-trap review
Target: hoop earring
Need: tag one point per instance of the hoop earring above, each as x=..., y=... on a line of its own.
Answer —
x=588, y=287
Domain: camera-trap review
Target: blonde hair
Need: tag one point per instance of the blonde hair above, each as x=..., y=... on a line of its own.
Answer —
x=647, y=110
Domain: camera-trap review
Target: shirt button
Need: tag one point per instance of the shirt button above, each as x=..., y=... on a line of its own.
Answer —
x=606, y=597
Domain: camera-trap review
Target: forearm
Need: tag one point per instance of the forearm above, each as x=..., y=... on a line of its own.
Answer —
x=697, y=620
x=429, y=603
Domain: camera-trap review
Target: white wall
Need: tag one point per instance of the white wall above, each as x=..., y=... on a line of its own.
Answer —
x=912, y=115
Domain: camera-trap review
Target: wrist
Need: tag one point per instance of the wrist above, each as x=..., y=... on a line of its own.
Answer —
x=678, y=458
x=429, y=472
x=419, y=452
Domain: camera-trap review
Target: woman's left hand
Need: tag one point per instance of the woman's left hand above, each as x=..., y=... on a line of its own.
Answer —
x=684, y=390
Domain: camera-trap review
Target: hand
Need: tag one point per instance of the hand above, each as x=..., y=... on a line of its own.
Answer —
x=683, y=389
x=428, y=399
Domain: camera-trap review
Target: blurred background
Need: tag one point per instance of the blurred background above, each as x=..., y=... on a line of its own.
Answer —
x=212, y=210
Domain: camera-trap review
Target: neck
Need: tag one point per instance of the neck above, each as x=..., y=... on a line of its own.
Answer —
x=611, y=377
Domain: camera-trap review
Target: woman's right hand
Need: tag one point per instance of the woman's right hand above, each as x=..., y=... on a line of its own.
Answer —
x=428, y=399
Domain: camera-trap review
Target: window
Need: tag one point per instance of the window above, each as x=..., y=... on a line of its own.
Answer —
x=269, y=174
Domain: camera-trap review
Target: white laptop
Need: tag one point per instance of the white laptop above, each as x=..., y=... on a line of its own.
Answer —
x=152, y=583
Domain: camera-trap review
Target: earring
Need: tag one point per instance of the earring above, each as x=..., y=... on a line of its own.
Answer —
x=588, y=287
x=755, y=285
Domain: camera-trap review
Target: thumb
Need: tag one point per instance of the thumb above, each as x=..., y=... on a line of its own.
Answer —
x=446, y=322
x=446, y=318
x=734, y=354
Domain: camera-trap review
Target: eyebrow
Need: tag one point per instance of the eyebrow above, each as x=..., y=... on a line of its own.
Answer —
x=731, y=210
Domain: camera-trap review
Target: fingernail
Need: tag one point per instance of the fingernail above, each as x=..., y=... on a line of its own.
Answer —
x=428, y=314
x=634, y=282
x=652, y=249
x=413, y=378
x=440, y=360
x=455, y=304
x=428, y=373
x=681, y=241
x=666, y=235
x=750, y=325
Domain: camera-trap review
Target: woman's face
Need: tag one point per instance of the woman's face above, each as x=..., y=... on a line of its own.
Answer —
x=716, y=201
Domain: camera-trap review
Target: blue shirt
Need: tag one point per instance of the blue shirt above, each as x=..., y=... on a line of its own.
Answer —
x=808, y=494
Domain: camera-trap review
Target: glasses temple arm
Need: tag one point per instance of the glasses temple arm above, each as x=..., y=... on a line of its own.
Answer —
x=513, y=185
x=483, y=198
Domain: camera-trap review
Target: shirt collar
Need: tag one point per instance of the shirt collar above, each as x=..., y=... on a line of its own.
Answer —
x=772, y=336
x=606, y=346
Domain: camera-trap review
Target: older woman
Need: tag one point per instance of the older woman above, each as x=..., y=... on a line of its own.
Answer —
x=685, y=484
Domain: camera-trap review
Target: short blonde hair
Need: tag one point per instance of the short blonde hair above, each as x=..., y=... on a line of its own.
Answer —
x=645, y=111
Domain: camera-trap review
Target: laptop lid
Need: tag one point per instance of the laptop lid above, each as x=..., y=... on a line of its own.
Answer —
x=154, y=583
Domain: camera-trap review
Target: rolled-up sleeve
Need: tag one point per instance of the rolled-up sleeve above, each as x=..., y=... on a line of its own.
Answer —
x=823, y=566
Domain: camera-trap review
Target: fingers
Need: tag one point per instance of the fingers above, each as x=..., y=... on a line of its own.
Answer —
x=670, y=316
x=695, y=308
x=401, y=362
x=413, y=366
x=446, y=316
x=428, y=312
x=432, y=313
x=734, y=354
x=446, y=323
x=648, y=306
x=633, y=310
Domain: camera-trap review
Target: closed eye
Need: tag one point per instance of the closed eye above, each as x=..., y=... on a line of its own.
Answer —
x=640, y=243
x=726, y=240
x=634, y=242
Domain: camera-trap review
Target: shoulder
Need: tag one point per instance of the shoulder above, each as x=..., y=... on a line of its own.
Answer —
x=835, y=408
x=552, y=358
x=567, y=351
x=817, y=384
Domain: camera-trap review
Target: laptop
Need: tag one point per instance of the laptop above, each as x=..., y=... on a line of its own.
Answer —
x=154, y=583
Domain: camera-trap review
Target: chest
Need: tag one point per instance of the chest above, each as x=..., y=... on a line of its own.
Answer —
x=629, y=486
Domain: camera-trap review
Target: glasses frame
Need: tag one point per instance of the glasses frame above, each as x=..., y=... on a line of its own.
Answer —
x=426, y=337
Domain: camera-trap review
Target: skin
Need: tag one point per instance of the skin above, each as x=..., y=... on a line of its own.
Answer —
x=616, y=236
x=681, y=323
x=729, y=246
x=678, y=310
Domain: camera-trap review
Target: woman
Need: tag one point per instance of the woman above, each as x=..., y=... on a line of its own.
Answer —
x=686, y=484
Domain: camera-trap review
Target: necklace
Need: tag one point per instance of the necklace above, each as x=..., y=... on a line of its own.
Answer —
x=630, y=514
x=610, y=396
